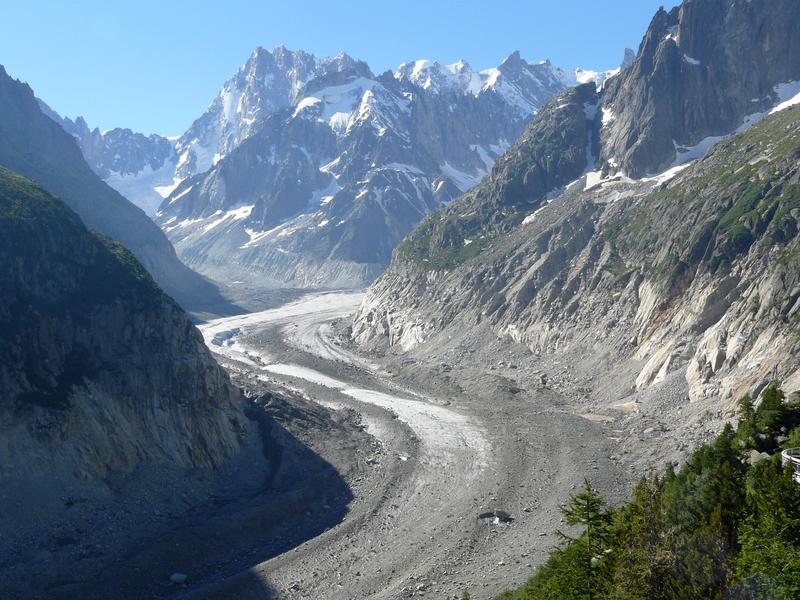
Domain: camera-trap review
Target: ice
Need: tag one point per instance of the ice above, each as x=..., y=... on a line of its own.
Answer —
x=593, y=179
x=306, y=374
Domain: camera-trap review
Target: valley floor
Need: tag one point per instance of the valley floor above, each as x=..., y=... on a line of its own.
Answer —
x=449, y=447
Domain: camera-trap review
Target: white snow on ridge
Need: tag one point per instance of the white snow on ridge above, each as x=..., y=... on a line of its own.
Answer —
x=672, y=34
x=608, y=116
x=580, y=76
x=182, y=194
x=431, y=75
x=789, y=94
x=305, y=103
x=235, y=214
x=383, y=111
x=460, y=78
x=532, y=217
x=258, y=236
x=667, y=175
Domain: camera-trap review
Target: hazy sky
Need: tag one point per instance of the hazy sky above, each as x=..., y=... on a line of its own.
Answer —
x=154, y=66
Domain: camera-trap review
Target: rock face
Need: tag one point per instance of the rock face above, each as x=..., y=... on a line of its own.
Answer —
x=101, y=371
x=701, y=70
x=697, y=275
x=692, y=272
x=33, y=145
x=344, y=165
x=116, y=424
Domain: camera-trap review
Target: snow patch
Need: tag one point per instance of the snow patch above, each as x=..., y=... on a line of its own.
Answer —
x=666, y=175
x=235, y=214
x=789, y=94
x=462, y=180
x=304, y=104
x=532, y=217
x=672, y=34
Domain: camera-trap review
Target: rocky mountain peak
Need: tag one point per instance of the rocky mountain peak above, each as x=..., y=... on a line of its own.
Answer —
x=438, y=78
x=512, y=62
x=628, y=59
x=703, y=70
x=693, y=270
x=269, y=81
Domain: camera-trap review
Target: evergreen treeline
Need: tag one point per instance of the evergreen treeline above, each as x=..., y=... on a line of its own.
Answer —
x=726, y=525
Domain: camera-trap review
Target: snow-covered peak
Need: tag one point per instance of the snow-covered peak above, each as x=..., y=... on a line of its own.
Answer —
x=269, y=81
x=579, y=75
x=436, y=77
x=523, y=85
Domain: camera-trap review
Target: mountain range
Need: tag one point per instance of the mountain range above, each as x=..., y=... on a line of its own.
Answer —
x=307, y=171
x=571, y=256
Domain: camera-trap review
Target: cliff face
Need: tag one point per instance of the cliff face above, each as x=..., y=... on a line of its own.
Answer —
x=35, y=146
x=701, y=70
x=698, y=274
x=101, y=372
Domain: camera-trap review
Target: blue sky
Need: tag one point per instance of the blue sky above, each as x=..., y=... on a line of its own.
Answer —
x=154, y=66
